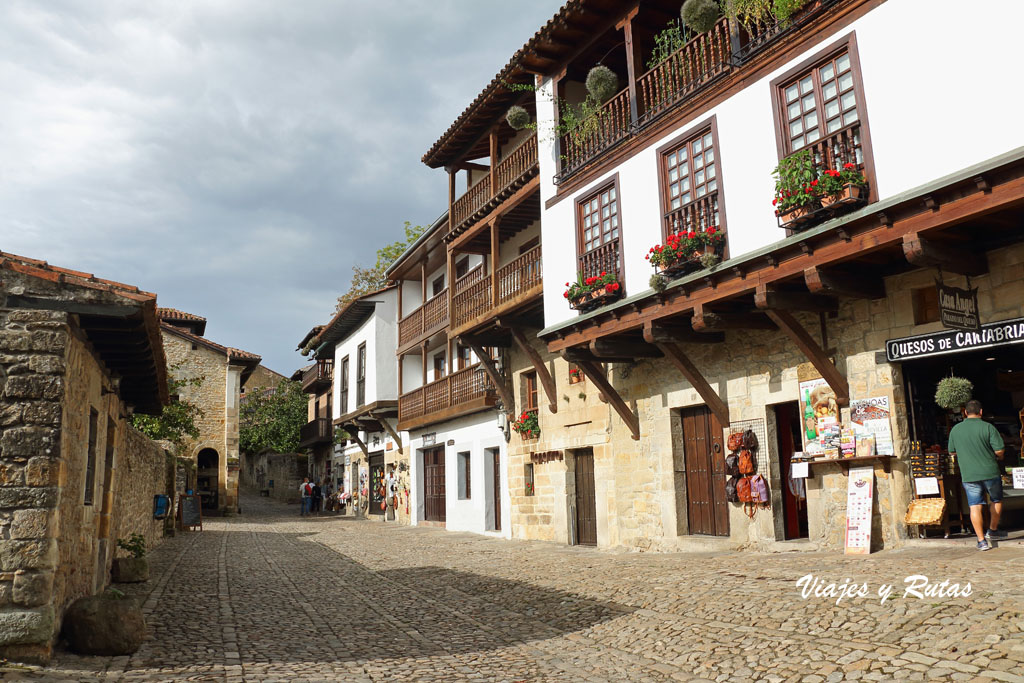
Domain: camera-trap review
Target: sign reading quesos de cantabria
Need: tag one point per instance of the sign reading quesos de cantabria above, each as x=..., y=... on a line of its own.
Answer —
x=958, y=308
x=922, y=346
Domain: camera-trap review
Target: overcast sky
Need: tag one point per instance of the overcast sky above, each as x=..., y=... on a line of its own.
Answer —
x=236, y=157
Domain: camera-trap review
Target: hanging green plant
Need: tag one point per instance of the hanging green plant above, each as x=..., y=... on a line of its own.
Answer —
x=517, y=117
x=953, y=392
x=602, y=83
x=700, y=16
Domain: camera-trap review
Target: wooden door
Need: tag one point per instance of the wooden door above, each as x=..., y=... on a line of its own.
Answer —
x=433, y=485
x=704, y=452
x=496, y=454
x=586, y=499
x=377, y=492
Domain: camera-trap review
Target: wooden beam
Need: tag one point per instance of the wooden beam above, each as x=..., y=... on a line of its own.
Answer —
x=693, y=375
x=580, y=354
x=814, y=353
x=470, y=166
x=634, y=63
x=493, y=151
x=765, y=298
x=495, y=249
x=673, y=333
x=82, y=308
x=927, y=253
x=496, y=379
x=704, y=319
x=541, y=369
x=389, y=429
x=596, y=375
x=359, y=442
x=612, y=347
x=841, y=282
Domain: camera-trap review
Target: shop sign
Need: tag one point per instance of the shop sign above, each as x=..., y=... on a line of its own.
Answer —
x=428, y=439
x=858, y=510
x=925, y=345
x=1018, y=477
x=926, y=486
x=958, y=308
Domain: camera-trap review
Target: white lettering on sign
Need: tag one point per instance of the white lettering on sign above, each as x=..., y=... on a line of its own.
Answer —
x=993, y=334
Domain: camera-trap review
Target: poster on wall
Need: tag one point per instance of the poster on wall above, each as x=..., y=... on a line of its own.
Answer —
x=858, y=510
x=870, y=417
x=818, y=407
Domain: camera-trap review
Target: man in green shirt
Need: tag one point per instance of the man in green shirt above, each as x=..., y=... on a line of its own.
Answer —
x=978, y=447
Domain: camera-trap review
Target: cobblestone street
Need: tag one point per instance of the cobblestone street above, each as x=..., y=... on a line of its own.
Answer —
x=271, y=597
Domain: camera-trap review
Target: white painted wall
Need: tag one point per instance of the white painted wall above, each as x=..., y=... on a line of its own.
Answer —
x=380, y=334
x=932, y=107
x=476, y=434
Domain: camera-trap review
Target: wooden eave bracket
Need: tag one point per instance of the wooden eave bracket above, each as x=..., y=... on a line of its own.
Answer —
x=359, y=442
x=711, y=321
x=841, y=283
x=389, y=429
x=543, y=375
x=928, y=253
x=596, y=375
x=768, y=299
x=496, y=379
x=693, y=375
x=813, y=352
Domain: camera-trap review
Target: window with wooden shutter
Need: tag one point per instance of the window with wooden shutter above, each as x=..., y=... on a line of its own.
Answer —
x=598, y=232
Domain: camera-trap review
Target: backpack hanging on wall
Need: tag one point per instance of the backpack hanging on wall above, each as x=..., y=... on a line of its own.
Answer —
x=759, y=490
x=747, y=464
x=743, y=490
x=735, y=441
x=732, y=465
x=730, y=490
x=750, y=440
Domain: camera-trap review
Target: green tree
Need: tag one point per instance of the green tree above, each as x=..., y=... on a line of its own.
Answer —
x=366, y=280
x=177, y=422
x=272, y=419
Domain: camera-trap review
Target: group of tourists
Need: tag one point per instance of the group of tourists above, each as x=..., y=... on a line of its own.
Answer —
x=318, y=496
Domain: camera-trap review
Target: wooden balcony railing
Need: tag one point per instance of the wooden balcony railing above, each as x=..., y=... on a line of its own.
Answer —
x=445, y=396
x=697, y=216
x=691, y=66
x=425, y=320
x=471, y=202
x=516, y=164
x=319, y=376
x=469, y=278
x=317, y=430
x=603, y=259
x=596, y=133
x=471, y=302
x=841, y=147
x=756, y=35
x=520, y=275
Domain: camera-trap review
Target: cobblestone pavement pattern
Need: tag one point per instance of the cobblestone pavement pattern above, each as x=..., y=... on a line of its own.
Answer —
x=271, y=597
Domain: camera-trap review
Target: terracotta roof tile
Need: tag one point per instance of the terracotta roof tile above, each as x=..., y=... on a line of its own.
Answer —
x=43, y=270
x=231, y=353
x=175, y=314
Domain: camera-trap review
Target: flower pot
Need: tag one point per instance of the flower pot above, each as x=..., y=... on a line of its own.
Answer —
x=798, y=216
x=575, y=379
x=594, y=299
x=851, y=195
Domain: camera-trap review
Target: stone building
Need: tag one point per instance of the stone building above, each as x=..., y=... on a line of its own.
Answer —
x=224, y=371
x=790, y=323
x=78, y=354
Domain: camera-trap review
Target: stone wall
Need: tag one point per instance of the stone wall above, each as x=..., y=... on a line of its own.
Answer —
x=286, y=470
x=58, y=411
x=641, y=493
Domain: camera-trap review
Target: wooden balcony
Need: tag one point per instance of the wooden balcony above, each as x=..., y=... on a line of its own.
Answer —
x=516, y=283
x=685, y=71
x=460, y=393
x=597, y=133
x=605, y=258
x=425, y=321
x=318, y=377
x=316, y=431
x=696, y=216
x=487, y=193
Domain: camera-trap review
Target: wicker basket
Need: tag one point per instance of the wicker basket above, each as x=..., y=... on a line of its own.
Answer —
x=925, y=511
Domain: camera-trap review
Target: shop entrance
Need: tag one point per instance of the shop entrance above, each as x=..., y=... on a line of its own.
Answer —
x=704, y=453
x=794, y=491
x=433, y=485
x=496, y=488
x=377, y=488
x=208, y=478
x=586, y=498
x=998, y=378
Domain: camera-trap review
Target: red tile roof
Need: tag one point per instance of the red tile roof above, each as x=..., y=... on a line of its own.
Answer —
x=45, y=271
x=175, y=314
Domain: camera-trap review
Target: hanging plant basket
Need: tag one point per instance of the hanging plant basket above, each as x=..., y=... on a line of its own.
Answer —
x=602, y=83
x=517, y=117
x=953, y=392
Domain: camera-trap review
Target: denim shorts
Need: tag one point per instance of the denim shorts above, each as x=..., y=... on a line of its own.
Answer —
x=976, y=491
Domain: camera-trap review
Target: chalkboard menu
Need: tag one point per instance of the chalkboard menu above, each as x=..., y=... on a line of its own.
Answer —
x=190, y=512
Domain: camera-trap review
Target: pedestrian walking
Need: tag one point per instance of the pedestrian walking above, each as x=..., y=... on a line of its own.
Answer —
x=306, y=491
x=978, y=448
x=318, y=497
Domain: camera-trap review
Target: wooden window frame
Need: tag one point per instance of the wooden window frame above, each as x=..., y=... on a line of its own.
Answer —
x=925, y=305
x=434, y=289
x=530, y=395
x=848, y=44
x=676, y=142
x=442, y=357
x=466, y=466
x=529, y=485
x=344, y=386
x=462, y=268
x=608, y=183
x=361, y=375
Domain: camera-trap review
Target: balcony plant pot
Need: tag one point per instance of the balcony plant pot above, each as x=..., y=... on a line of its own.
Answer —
x=681, y=267
x=851, y=195
x=798, y=216
x=575, y=379
x=593, y=299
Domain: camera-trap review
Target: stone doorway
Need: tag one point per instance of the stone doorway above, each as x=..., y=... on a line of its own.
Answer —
x=208, y=478
x=703, y=461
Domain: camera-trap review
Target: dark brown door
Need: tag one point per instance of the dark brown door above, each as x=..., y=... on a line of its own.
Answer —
x=703, y=443
x=794, y=505
x=433, y=485
x=496, y=454
x=377, y=492
x=586, y=499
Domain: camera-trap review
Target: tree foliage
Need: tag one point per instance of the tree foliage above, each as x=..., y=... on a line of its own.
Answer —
x=177, y=422
x=366, y=280
x=271, y=419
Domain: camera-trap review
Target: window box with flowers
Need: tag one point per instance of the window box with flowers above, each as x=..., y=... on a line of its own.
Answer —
x=575, y=375
x=842, y=189
x=796, y=190
x=592, y=292
x=686, y=251
x=527, y=425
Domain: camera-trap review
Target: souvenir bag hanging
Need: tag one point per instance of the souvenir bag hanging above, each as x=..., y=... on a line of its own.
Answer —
x=759, y=490
x=732, y=465
x=743, y=490
x=750, y=440
x=747, y=464
x=735, y=441
x=731, y=494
